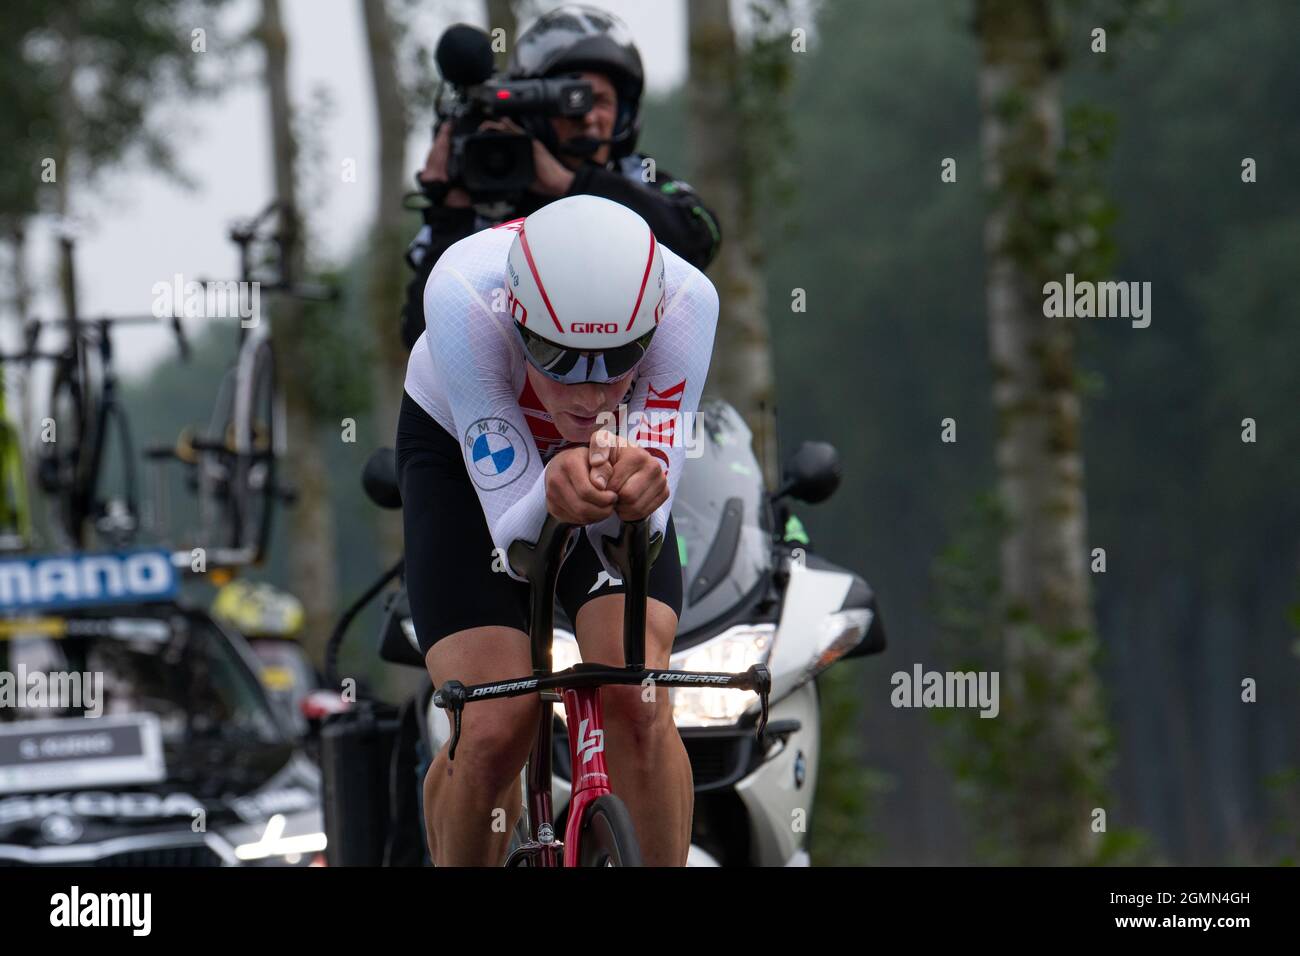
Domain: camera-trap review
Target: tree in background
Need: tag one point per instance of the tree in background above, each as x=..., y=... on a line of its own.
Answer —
x=385, y=270
x=25, y=108
x=1054, y=727
x=727, y=169
x=312, y=539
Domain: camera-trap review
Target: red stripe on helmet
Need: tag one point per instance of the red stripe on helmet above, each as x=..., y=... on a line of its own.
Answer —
x=641, y=294
x=532, y=266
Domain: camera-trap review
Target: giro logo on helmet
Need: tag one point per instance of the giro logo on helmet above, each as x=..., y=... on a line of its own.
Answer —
x=594, y=327
x=518, y=311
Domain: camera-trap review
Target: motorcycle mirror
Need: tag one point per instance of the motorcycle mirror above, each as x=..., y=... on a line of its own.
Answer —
x=811, y=474
x=379, y=478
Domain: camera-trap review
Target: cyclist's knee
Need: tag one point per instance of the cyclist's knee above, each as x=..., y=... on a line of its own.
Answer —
x=641, y=713
x=495, y=734
x=600, y=631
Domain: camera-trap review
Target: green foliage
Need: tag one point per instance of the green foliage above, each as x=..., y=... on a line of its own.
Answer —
x=1020, y=786
x=1284, y=788
x=25, y=109
x=766, y=79
x=341, y=352
x=89, y=72
x=845, y=817
x=1284, y=831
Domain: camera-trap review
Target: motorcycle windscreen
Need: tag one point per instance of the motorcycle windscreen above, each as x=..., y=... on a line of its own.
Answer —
x=720, y=513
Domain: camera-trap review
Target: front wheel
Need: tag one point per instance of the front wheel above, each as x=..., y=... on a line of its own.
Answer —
x=607, y=837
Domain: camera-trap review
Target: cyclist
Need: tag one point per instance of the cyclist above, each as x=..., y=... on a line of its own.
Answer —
x=537, y=330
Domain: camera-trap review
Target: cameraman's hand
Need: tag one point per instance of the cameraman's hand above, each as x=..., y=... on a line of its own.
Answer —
x=553, y=177
x=435, y=168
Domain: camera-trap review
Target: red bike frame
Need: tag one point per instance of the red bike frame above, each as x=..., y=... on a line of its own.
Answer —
x=587, y=757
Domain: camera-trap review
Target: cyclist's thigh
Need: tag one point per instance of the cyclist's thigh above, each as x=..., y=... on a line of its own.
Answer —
x=470, y=620
x=595, y=603
x=479, y=655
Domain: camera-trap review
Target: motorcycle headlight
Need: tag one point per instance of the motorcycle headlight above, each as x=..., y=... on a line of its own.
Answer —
x=840, y=633
x=732, y=651
x=564, y=654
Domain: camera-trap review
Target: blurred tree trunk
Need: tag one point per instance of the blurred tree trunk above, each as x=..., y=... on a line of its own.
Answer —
x=386, y=271
x=16, y=229
x=1050, y=691
x=311, y=521
x=66, y=124
x=741, y=370
x=503, y=14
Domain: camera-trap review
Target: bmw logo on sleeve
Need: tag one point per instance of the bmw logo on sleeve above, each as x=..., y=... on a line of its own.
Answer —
x=496, y=453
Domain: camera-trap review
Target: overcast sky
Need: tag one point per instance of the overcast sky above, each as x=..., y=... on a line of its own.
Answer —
x=138, y=228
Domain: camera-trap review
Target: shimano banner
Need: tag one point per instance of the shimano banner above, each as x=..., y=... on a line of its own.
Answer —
x=75, y=580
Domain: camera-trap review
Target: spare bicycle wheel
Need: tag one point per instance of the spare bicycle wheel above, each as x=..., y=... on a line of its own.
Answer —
x=65, y=467
x=607, y=837
x=256, y=438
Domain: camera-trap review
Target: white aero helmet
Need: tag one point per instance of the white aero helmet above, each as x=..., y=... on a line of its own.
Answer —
x=585, y=287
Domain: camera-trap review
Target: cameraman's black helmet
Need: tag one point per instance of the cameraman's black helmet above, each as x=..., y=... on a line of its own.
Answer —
x=578, y=37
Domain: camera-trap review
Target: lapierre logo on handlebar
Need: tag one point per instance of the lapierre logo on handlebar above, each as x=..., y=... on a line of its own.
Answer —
x=598, y=832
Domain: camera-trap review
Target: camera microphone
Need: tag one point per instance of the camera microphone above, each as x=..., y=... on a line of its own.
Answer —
x=464, y=55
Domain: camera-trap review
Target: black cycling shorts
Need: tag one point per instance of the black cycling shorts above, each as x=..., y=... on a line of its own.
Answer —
x=449, y=550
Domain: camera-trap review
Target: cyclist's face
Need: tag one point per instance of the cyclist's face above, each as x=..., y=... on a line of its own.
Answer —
x=575, y=407
x=598, y=123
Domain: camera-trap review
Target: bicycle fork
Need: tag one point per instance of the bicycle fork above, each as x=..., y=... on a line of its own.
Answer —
x=590, y=776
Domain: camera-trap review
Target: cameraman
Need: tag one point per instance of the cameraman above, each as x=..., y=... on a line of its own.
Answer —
x=591, y=154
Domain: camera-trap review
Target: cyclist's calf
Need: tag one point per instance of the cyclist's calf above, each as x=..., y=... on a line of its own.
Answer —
x=462, y=797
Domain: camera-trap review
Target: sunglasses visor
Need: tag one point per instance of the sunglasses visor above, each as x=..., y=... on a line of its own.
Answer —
x=575, y=366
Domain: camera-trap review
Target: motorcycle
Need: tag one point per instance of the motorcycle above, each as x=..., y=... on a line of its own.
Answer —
x=753, y=592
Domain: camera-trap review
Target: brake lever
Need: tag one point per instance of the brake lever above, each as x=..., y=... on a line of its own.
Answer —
x=762, y=681
x=451, y=696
